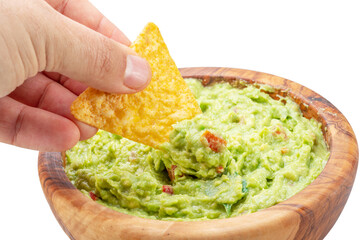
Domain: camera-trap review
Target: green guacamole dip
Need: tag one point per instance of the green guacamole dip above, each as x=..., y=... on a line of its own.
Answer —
x=246, y=152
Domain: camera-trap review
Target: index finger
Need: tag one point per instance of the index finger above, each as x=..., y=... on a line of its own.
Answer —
x=82, y=11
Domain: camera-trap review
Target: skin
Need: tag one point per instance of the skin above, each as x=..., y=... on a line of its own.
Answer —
x=50, y=52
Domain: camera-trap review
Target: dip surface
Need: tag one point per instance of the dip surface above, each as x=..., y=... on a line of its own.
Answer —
x=246, y=152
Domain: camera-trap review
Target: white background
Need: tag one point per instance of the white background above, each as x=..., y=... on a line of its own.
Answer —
x=315, y=43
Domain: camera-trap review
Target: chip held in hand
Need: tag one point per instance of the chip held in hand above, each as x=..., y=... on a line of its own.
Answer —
x=147, y=116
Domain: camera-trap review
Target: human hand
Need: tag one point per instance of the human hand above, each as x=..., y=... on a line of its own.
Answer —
x=50, y=51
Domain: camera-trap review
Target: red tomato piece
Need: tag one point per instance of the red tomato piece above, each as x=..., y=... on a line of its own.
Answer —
x=219, y=169
x=168, y=189
x=93, y=196
x=280, y=132
x=215, y=143
x=284, y=150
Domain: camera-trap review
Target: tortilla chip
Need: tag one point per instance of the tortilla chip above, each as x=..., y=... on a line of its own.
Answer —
x=146, y=117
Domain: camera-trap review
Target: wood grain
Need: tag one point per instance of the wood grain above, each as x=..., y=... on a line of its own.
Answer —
x=310, y=214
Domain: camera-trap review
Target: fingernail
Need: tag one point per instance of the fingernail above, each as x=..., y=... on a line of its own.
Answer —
x=137, y=72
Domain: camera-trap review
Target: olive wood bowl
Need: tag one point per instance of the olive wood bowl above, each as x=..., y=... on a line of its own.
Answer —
x=309, y=214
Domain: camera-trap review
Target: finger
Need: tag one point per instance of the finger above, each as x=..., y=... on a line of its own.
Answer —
x=42, y=92
x=74, y=86
x=35, y=128
x=82, y=11
x=87, y=56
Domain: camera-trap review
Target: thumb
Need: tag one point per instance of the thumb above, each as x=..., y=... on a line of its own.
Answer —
x=89, y=57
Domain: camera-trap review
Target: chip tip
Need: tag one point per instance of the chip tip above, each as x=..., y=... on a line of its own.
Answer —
x=151, y=24
x=150, y=27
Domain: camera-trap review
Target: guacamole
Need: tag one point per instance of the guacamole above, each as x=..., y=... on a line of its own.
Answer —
x=246, y=152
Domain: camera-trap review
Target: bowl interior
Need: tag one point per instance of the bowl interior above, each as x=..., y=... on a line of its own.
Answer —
x=309, y=214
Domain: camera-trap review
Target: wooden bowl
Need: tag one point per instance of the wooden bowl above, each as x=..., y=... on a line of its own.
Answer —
x=310, y=214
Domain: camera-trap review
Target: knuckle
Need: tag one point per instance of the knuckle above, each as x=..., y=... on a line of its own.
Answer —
x=18, y=126
x=103, y=57
x=42, y=103
x=10, y=79
x=13, y=66
x=61, y=6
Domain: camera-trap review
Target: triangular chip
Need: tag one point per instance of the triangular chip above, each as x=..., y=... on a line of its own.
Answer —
x=146, y=117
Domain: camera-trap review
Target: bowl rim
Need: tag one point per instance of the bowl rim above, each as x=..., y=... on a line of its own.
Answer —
x=311, y=212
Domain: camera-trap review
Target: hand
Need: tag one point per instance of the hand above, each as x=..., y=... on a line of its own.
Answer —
x=50, y=51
